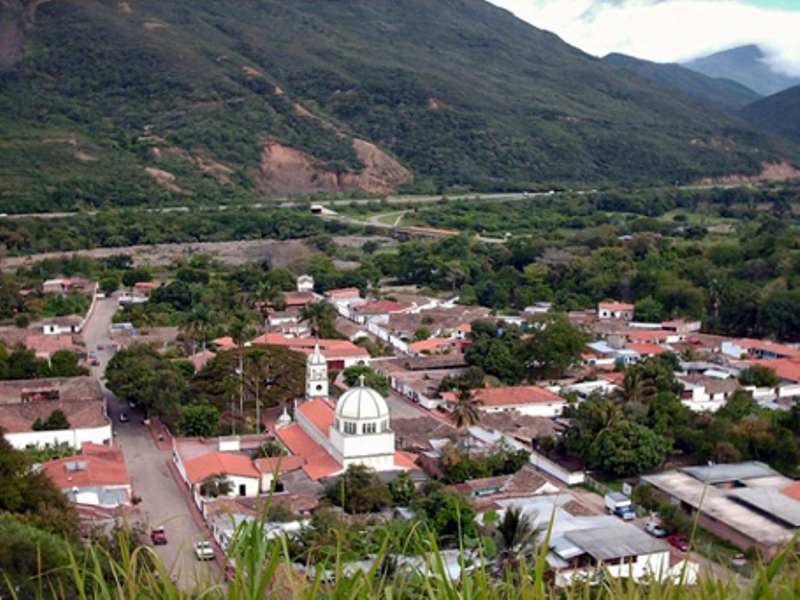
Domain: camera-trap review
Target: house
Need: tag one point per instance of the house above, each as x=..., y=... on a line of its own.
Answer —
x=787, y=370
x=523, y=483
x=620, y=550
x=344, y=296
x=305, y=283
x=143, y=289
x=80, y=399
x=224, y=516
x=434, y=345
x=238, y=470
x=62, y=325
x=748, y=504
x=55, y=287
x=272, y=467
x=682, y=326
x=583, y=543
x=44, y=346
x=96, y=477
x=747, y=348
x=615, y=310
x=378, y=312
x=340, y=354
x=529, y=400
x=702, y=393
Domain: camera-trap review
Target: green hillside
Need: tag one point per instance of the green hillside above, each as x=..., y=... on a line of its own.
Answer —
x=153, y=102
x=721, y=93
x=779, y=113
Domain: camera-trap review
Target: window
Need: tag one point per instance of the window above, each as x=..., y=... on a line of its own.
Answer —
x=349, y=427
x=370, y=428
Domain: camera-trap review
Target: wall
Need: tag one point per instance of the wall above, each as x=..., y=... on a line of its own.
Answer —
x=73, y=437
x=549, y=410
x=551, y=468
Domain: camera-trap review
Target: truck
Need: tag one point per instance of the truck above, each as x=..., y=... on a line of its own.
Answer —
x=619, y=504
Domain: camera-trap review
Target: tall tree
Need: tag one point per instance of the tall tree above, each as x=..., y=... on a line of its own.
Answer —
x=516, y=539
x=553, y=346
x=466, y=408
x=320, y=317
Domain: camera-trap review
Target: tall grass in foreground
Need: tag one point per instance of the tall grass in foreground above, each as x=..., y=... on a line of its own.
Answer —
x=264, y=570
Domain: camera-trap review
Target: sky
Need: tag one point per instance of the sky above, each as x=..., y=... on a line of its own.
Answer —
x=670, y=30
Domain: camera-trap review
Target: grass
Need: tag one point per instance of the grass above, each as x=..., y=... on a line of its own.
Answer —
x=263, y=569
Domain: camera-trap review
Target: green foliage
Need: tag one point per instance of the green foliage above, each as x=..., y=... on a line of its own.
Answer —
x=359, y=490
x=32, y=496
x=553, y=346
x=402, y=489
x=447, y=101
x=463, y=464
x=42, y=454
x=198, y=420
x=57, y=421
x=215, y=486
x=352, y=376
x=447, y=513
x=627, y=449
x=141, y=375
x=759, y=376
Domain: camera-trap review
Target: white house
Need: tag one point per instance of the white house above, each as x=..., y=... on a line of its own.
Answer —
x=615, y=310
x=96, y=477
x=529, y=400
x=59, y=325
x=305, y=283
x=702, y=393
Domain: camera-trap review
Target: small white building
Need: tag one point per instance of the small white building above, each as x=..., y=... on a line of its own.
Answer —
x=305, y=283
x=706, y=394
x=620, y=311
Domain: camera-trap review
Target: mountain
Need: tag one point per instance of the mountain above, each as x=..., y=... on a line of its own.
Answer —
x=721, y=93
x=151, y=102
x=779, y=113
x=746, y=65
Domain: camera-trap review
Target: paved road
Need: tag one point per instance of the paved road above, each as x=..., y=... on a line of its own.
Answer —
x=163, y=501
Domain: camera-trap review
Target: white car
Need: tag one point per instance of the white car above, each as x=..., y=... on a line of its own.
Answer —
x=204, y=551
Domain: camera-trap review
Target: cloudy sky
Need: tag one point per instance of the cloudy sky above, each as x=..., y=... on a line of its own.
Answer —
x=670, y=30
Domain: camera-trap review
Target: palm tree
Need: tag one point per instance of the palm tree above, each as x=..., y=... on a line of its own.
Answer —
x=257, y=369
x=319, y=315
x=516, y=539
x=635, y=388
x=268, y=294
x=466, y=409
x=240, y=332
x=196, y=324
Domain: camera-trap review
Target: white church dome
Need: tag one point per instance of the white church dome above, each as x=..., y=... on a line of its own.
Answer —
x=362, y=402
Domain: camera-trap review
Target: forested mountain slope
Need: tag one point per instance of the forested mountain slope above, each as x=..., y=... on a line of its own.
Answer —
x=779, y=113
x=146, y=101
x=722, y=93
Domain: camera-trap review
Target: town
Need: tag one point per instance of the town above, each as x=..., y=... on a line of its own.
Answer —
x=637, y=449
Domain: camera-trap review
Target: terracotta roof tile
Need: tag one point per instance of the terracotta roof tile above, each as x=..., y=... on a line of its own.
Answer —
x=200, y=468
x=433, y=345
x=792, y=491
x=615, y=306
x=319, y=412
x=319, y=463
x=647, y=349
x=281, y=464
x=512, y=396
x=102, y=466
x=86, y=414
x=785, y=368
x=762, y=346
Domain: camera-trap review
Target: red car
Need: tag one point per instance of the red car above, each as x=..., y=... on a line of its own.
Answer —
x=158, y=536
x=679, y=541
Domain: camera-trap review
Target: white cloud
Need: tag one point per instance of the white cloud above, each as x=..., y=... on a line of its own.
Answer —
x=667, y=30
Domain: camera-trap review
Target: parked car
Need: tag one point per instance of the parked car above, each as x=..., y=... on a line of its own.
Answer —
x=654, y=529
x=124, y=418
x=626, y=513
x=95, y=362
x=204, y=551
x=158, y=536
x=679, y=541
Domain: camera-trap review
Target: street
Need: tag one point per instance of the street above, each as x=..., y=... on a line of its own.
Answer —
x=162, y=500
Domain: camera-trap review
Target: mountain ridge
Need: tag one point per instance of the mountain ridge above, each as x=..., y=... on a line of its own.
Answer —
x=456, y=93
x=745, y=65
x=725, y=94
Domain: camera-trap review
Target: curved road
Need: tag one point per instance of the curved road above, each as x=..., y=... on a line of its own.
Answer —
x=163, y=502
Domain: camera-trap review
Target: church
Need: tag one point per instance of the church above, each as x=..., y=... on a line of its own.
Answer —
x=330, y=435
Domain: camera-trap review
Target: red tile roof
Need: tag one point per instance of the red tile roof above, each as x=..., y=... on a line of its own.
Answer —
x=792, y=491
x=104, y=467
x=615, y=306
x=225, y=343
x=49, y=344
x=320, y=413
x=785, y=368
x=281, y=464
x=512, y=396
x=344, y=293
x=647, y=349
x=405, y=460
x=648, y=336
x=382, y=307
x=432, y=345
x=202, y=467
x=81, y=414
x=332, y=349
x=319, y=463
x=615, y=377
